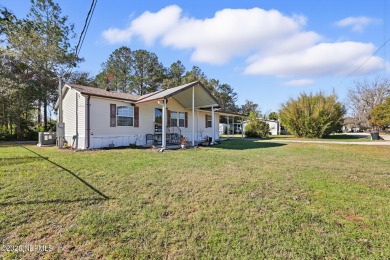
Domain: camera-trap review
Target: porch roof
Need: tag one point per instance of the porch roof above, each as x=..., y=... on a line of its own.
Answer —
x=183, y=94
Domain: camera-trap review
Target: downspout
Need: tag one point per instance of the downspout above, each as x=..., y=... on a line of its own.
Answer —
x=88, y=122
x=77, y=121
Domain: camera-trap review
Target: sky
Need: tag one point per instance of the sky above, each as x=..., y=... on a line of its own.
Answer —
x=268, y=50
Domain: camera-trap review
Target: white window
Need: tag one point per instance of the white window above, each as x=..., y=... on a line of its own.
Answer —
x=173, y=118
x=209, y=122
x=182, y=119
x=125, y=116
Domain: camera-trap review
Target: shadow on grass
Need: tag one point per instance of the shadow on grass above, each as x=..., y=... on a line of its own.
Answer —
x=345, y=137
x=72, y=173
x=56, y=201
x=245, y=144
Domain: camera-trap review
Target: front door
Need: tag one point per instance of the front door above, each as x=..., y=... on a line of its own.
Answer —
x=157, y=120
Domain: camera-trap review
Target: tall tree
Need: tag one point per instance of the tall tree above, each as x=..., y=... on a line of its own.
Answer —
x=174, y=75
x=148, y=72
x=42, y=41
x=80, y=78
x=249, y=107
x=16, y=95
x=365, y=96
x=118, y=68
x=195, y=74
x=226, y=97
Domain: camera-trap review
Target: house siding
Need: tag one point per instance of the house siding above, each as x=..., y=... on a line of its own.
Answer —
x=69, y=112
x=103, y=135
x=74, y=119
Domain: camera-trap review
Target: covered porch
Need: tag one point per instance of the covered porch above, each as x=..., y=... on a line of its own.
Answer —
x=186, y=111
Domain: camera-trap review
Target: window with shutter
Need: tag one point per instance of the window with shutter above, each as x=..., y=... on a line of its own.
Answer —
x=112, y=115
x=208, y=121
x=136, y=116
x=168, y=118
x=125, y=116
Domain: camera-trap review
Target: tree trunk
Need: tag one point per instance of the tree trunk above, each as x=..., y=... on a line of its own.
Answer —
x=19, y=134
x=39, y=116
x=45, y=114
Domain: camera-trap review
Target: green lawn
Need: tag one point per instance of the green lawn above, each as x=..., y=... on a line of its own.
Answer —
x=239, y=199
x=332, y=137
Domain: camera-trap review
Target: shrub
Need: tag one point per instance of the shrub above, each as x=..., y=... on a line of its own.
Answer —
x=256, y=128
x=380, y=115
x=313, y=116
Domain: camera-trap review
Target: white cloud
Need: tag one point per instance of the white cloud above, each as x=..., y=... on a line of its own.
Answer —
x=271, y=42
x=299, y=82
x=335, y=59
x=357, y=23
x=148, y=26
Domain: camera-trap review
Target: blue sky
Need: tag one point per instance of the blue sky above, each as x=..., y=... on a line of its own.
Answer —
x=267, y=50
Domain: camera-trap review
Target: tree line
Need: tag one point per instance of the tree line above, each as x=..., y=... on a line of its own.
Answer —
x=36, y=49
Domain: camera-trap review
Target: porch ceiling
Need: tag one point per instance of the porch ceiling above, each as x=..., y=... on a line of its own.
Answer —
x=202, y=98
x=183, y=95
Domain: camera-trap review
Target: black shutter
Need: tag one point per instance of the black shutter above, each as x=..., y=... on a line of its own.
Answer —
x=136, y=116
x=186, y=119
x=207, y=117
x=112, y=115
x=168, y=118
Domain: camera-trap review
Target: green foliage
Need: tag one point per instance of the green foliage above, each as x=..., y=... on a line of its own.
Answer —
x=273, y=116
x=174, y=75
x=255, y=127
x=118, y=69
x=313, y=116
x=249, y=107
x=148, y=73
x=36, y=50
x=380, y=115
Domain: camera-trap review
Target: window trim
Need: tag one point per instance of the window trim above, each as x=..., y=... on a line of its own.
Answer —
x=131, y=116
x=183, y=119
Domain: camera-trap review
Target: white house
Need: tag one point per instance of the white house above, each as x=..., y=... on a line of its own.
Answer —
x=96, y=118
x=274, y=126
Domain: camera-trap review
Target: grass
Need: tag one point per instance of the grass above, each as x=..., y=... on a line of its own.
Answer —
x=240, y=199
x=333, y=137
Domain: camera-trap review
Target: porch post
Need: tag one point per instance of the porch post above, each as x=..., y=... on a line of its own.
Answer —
x=212, y=124
x=193, y=116
x=164, y=124
x=233, y=126
x=228, y=127
x=242, y=127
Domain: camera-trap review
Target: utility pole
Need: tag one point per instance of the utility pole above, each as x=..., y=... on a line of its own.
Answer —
x=60, y=124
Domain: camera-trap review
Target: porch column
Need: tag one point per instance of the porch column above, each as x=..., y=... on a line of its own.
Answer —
x=228, y=127
x=193, y=116
x=212, y=124
x=233, y=127
x=164, y=124
x=242, y=127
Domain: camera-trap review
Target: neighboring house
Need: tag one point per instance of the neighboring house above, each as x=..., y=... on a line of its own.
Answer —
x=349, y=125
x=96, y=118
x=236, y=127
x=274, y=126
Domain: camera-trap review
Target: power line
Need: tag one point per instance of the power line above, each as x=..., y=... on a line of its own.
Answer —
x=86, y=25
x=372, y=55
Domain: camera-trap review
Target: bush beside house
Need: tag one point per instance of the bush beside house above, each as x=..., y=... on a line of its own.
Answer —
x=256, y=128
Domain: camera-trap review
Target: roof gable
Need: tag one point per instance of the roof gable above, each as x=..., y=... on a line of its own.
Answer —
x=103, y=93
x=183, y=95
